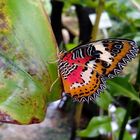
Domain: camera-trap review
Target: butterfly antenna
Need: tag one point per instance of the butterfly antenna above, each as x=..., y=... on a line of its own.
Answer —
x=54, y=82
x=52, y=62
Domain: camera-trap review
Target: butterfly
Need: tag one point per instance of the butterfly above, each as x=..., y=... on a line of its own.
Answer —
x=85, y=69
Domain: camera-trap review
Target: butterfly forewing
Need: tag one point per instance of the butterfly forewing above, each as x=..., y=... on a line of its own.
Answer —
x=84, y=69
x=122, y=52
x=115, y=55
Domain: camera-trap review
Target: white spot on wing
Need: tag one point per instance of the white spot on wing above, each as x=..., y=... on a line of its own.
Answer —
x=85, y=75
x=105, y=54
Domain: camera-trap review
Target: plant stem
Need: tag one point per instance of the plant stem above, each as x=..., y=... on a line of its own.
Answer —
x=138, y=132
x=78, y=113
x=99, y=11
x=100, y=7
x=77, y=118
x=128, y=109
x=138, y=88
x=138, y=76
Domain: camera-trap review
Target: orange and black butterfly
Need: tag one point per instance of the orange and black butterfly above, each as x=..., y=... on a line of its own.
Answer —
x=84, y=69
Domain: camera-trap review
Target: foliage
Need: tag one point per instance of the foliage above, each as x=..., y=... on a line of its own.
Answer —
x=89, y=3
x=97, y=125
x=26, y=48
x=103, y=125
x=126, y=24
x=120, y=86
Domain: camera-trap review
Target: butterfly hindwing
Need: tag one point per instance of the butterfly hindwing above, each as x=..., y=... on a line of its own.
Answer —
x=84, y=69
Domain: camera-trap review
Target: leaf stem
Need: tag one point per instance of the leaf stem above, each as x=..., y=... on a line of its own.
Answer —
x=99, y=11
x=78, y=113
x=77, y=118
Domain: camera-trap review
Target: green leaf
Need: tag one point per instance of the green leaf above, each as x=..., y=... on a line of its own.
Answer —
x=119, y=115
x=104, y=100
x=121, y=86
x=127, y=135
x=70, y=46
x=89, y=3
x=27, y=47
x=97, y=126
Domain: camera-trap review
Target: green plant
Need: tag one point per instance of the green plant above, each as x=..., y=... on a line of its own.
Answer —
x=27, y=46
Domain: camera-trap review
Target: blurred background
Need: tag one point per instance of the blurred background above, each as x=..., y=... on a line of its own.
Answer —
x=116, y=114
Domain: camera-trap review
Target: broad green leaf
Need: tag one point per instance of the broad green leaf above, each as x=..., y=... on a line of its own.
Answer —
x=121, y=86
x=97, y=126
x=27, y=47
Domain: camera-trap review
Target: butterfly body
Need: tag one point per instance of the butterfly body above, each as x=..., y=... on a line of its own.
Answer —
x=84, y=69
